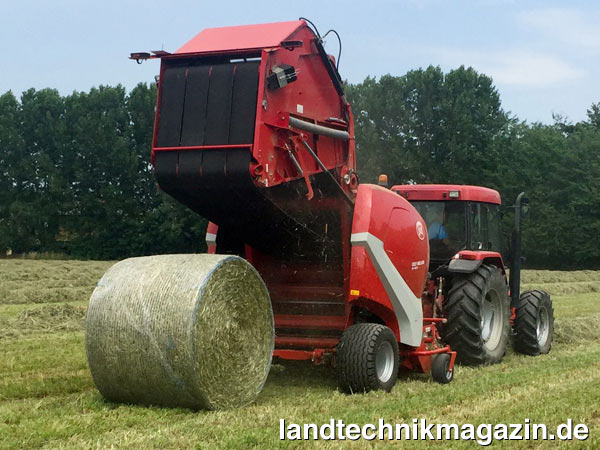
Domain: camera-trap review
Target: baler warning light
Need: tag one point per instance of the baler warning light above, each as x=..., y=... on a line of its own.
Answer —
x=454, y=194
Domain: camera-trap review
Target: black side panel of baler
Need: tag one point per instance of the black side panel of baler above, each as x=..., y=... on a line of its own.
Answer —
x=218, y=107
x=208, y=104
x=243, y=111
x=167, y=174
x=171, y=107
x=190, y=169
x=194, y=112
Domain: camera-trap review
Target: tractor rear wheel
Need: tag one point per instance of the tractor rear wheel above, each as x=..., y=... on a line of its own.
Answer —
x=478, y=311
x=367, y=358
x=534, y=323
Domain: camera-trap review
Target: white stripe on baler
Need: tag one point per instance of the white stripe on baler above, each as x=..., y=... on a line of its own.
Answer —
x=407, y=306
x=211, y=238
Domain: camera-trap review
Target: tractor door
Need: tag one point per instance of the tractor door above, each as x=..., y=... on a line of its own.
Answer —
x=485, y=234
x=447, y=228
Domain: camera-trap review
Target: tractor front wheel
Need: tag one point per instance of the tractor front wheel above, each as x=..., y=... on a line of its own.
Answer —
x=478, y=311
x=534, y=323
x=367, y=358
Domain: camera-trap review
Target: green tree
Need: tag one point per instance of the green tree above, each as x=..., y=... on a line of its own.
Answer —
x=11, y=146
x=594, y=115
x=35, y=184
x=429, y=127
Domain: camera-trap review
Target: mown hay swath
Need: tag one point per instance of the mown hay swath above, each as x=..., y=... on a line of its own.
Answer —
x=194, y=331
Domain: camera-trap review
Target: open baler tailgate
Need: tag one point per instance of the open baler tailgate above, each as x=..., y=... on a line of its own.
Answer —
x=225, y=147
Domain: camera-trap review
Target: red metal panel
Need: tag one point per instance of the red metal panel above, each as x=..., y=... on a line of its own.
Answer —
x=394, y=221
x=310, y=322
x=317, y=356
x=240, y=37
x=442, y=192
x=305, y=342
x=477, y=255
x=211, y=238
x=307, y=292
x=487, y=257
x=312, y=98
x=294, y=355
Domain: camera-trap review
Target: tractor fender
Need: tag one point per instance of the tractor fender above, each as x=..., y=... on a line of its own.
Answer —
x=468, y=261
x=464, y=265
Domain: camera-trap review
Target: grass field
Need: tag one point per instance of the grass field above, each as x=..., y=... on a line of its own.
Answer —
x=48, y=400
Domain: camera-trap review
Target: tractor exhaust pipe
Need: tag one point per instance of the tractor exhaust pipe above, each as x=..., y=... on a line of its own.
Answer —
x=521, y=207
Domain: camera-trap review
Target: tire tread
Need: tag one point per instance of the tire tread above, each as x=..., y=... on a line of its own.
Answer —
x=462, y=309
x=356, y=358
x=525, y=325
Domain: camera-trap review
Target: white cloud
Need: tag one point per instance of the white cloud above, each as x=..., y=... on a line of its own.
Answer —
x=529, y=69
x=515, y=67
x=569, y=26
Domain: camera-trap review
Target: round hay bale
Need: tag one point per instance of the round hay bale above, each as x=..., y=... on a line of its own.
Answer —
x=192, y=331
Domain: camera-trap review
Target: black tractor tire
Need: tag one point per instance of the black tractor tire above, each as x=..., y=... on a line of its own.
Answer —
x=367, y=358
x=440, y=368
x=534, y=323
x=478, y=311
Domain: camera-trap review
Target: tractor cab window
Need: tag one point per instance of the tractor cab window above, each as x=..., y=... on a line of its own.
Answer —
x=485, y=227
x=445, y=226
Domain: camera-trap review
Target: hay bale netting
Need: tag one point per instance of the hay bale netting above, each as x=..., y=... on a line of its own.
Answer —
x=193, y=331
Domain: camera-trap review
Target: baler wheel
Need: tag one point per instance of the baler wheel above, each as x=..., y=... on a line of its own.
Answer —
x=440, y=368
x=367, y=358
x=478, y=311
x=534, y=323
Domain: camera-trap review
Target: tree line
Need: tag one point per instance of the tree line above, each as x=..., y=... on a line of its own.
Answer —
x=75, y=173
x=433, y=127
x=75, y=177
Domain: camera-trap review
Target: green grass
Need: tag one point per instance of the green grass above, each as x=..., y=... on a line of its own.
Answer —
x=35, y=281
x=48, y=400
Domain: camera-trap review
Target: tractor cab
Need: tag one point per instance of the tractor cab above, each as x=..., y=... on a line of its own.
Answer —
x=457, y=217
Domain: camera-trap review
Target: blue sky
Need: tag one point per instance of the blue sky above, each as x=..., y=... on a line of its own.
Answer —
x=544, y=56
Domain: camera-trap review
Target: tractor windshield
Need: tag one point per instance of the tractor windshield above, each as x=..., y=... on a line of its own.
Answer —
x=445, y=227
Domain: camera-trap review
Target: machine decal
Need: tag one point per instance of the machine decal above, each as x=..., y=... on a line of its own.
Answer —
x=407, y=307
x=416, y=264
x=420, y=230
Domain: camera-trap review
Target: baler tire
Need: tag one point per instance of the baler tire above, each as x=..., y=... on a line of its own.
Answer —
x=534, y=323
x=440, y=368
x=367, y=359
x=469, y=300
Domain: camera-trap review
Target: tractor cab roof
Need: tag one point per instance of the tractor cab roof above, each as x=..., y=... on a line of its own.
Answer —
x=441, y=192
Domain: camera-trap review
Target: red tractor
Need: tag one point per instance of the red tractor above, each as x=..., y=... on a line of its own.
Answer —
x=468, y=280
x=253, y=131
